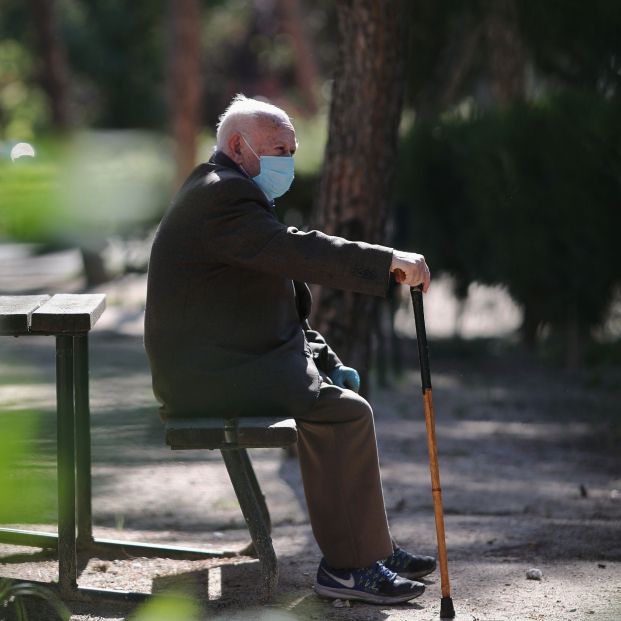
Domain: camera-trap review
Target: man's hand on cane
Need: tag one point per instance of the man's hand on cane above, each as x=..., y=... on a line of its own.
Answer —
x=410, y=269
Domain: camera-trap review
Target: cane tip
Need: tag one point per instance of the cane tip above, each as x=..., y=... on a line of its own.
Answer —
x=446, y=608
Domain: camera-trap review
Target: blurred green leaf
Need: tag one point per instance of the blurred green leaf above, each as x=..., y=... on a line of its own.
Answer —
x=23, y=108
x=90, y=185
x=27, y=491
x=168, y=606
x=15, y=594
x=29, y=198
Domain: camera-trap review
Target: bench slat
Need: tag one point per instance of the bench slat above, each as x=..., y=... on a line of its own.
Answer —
x=16, y=312
x=208, y=433
x=68, y=313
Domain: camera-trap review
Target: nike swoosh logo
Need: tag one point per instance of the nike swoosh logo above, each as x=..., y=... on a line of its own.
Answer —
x=349, y=583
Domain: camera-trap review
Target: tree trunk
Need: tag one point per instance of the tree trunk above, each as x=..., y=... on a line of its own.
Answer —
x=505, y=52
x=358, y=167
x=53, y=70
x=306, y=73
x=184, y=79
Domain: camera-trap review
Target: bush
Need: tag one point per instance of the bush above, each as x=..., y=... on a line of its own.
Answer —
x=527, y=198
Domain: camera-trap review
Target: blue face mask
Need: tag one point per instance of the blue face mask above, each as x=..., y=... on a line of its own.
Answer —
x=276, y=174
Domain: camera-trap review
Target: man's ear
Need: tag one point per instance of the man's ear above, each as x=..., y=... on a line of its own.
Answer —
x=235, y=147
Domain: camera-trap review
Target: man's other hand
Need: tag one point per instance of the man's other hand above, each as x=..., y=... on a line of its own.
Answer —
x=345, y=377
x=410, y=268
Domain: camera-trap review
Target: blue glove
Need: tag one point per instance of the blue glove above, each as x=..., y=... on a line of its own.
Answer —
x=345, y=377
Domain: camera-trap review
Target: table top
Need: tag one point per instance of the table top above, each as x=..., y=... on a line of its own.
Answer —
x=63, y=313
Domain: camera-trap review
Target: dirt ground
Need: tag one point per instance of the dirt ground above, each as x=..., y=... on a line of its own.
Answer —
x=530, y=465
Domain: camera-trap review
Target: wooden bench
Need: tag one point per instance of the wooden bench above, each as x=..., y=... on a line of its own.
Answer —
x=233, y=436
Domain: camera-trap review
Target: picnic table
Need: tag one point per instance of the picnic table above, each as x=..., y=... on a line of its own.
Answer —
x=69, y=318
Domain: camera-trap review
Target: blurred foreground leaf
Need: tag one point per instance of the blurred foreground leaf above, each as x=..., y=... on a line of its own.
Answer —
x=182, y=607
x=167, y=606
x=27, y=492
x=30, y=206
x=114, y=180
x=257, y=615
x=88, y=186
x=14, y=594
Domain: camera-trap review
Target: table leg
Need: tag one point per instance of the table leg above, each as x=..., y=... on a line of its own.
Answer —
x=67, y=557
x=83, y=441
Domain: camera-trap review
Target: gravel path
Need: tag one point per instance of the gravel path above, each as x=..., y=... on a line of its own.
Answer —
x=530, y=470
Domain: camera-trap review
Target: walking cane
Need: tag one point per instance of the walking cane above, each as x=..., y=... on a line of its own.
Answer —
x=446, y=603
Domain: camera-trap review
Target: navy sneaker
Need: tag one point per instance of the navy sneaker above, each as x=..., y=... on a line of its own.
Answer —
x=409, y=565
x=374, y=584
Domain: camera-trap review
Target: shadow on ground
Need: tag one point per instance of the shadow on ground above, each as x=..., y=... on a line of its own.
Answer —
x=528, y=456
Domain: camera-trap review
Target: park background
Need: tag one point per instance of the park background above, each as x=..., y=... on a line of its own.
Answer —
x=485, y=134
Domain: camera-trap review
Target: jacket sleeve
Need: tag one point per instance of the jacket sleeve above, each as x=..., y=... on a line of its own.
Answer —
x=239, y=229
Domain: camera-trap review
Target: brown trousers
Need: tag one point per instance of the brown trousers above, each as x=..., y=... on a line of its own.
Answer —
x=340, y=471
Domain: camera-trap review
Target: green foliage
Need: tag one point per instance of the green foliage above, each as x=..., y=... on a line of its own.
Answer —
x=27, y=495
x=27, y=491
x=113, y=180
x=257, y=615
x=527, y=198
x=574, y=42
x=116, y=52
x=117, y=55
x=16, y=594
x=30, y=206
x=88, y=186
x=167, y=606
x=438, y=31
x=565, y=44
x=179, y=606
x=23, y=108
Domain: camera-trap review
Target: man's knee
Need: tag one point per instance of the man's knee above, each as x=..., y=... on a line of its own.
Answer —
x=356, y=403
x=337, y=405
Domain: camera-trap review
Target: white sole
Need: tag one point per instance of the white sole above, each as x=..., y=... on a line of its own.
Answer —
x=335, y=593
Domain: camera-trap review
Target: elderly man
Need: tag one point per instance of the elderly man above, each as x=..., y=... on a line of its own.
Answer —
x=227, y=333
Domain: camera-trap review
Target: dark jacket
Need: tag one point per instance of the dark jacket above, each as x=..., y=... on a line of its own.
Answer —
x=226, y=328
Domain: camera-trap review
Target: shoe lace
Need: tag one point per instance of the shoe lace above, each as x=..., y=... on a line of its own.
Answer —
x=375, y=575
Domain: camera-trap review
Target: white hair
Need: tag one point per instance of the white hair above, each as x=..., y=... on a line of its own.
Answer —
x=245, y=114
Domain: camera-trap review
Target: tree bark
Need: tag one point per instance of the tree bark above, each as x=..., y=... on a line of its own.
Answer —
x=185, y=83
x=53, y=70
x=360, y=154
x=505, y=52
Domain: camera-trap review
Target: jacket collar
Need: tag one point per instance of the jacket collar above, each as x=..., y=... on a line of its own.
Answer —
x=221, y=159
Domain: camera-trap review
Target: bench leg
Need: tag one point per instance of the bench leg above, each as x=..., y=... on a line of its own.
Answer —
x=83, y=442
x=67, y=561
x=251, y=501
x=258, y=492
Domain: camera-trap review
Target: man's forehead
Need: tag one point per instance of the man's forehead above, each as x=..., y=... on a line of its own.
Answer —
x=277, y=132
